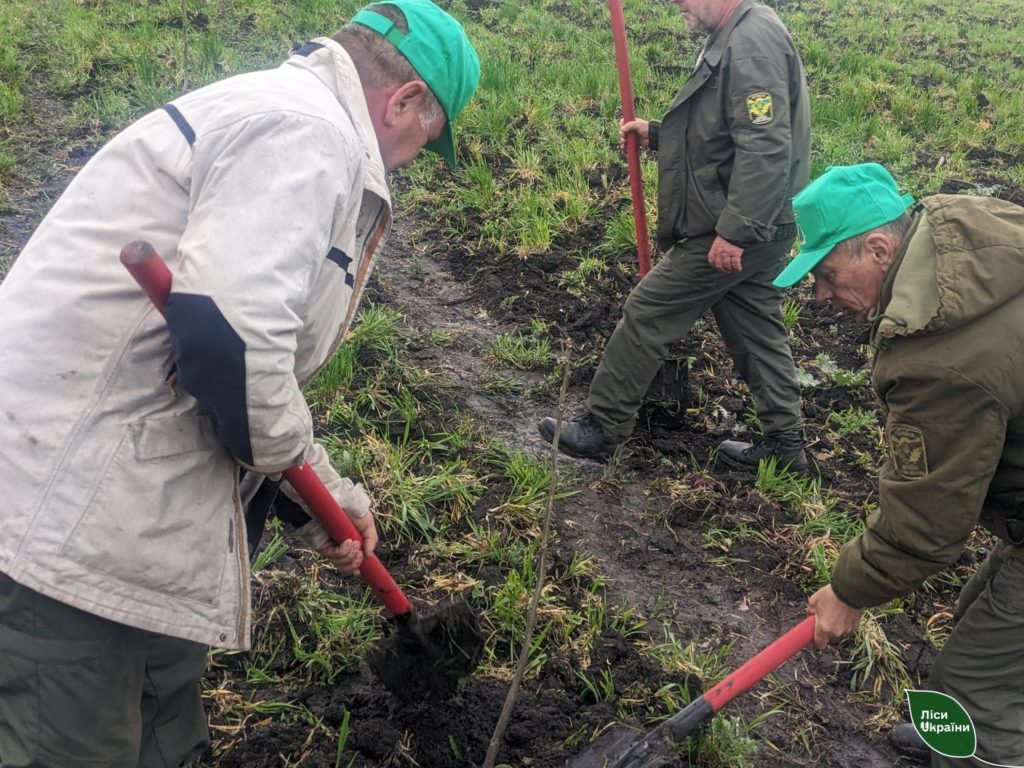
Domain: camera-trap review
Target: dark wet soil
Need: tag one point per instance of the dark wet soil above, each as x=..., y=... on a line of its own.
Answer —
x=650, y=549
x=428, y=654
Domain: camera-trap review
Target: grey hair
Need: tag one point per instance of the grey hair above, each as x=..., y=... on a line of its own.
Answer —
x=895, y=230
x=380, y=64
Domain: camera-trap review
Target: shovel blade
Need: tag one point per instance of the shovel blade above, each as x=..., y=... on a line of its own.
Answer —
x=660, y=746
x=426, y=657
x=625, y=748
x=621, y=747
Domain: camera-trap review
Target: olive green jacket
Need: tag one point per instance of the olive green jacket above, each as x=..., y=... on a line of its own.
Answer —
x=734, y=146
x=949, y=368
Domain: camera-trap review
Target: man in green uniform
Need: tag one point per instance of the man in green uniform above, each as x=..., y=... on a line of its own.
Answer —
x=943, y=289
x=733, y=150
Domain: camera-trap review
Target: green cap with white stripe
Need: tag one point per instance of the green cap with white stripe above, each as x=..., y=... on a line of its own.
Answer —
x=437, y=48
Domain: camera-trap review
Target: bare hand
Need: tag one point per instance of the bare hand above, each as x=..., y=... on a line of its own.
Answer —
x=833, y=617
x=640, y=127
x=348, y=556
x=725, y=257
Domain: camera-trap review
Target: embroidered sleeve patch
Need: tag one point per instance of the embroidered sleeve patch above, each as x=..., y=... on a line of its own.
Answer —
x=906, y=444
x=759, y=108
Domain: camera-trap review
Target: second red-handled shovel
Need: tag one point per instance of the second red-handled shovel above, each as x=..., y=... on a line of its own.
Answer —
x=659, y=746
x=426, y=656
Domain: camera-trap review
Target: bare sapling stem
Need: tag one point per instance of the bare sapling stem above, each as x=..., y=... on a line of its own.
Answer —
x=531, y=614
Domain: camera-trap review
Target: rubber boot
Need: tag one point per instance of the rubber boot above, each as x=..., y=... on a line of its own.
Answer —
x=907, y=741
x=581, y=437
x=788, y=452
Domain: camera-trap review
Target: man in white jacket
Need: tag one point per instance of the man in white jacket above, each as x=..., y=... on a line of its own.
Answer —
x=131, y=445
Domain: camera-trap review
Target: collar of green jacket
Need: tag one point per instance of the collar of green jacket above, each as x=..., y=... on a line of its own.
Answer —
x=962, y=258
x=716, y=43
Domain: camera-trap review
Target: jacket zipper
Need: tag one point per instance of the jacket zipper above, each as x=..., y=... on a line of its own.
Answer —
x=380, y=226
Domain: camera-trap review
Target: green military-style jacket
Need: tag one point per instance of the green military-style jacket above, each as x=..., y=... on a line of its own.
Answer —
x=734, y=146
x=949, y=369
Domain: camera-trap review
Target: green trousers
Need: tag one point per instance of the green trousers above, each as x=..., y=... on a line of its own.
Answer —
x=662, y=309
x=982, y=663
x=77, y=690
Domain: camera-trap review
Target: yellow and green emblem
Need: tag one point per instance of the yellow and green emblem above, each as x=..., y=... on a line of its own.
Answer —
x=759, y=108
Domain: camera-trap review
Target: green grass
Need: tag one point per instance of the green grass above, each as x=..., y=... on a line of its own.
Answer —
x=922, y=89
x=791, y=312
x=853, y=420
x=527, y=351
x=327, y=633
x=272, y=550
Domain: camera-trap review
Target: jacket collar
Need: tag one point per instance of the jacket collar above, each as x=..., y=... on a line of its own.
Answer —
x=878, y=316
x=717, y=41
x=332, y=65
x=713, y=49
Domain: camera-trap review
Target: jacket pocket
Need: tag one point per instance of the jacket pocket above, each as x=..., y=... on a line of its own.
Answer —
x=160, y=438
x=161, y=516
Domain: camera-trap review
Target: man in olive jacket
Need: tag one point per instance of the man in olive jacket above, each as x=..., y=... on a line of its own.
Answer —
x=733, y=149
x=943, y=289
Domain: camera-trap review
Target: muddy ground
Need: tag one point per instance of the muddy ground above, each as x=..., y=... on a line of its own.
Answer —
x=649, y=546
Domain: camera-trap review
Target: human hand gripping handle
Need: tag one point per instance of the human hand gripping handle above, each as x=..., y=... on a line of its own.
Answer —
x=638, y=129
x=834, y=617
x=151, y=273
x=348, y=556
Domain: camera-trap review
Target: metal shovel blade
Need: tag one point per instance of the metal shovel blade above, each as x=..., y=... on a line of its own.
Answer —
x=426, y=657
x=626, y=748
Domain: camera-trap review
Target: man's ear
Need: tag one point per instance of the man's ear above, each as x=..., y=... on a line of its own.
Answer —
x=405, y=100
x=882, y=248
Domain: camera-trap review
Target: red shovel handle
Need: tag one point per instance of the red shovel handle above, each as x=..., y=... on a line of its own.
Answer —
x=636, y=180
x=151, y=273
x=763, y=664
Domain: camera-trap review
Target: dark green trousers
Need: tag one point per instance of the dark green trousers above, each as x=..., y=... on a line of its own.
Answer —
x=77, y=690
x=982, y=663
x=662, y=309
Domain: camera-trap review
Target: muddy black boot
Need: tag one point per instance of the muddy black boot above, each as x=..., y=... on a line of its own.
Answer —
x=907, y=741
x=787, y=453
x=581, y=437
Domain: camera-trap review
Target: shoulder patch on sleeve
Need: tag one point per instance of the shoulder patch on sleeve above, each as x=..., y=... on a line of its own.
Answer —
x=906, y=444
x=759, y=108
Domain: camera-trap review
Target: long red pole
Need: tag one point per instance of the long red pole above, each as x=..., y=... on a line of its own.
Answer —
x=153, y=276
x=636, y=180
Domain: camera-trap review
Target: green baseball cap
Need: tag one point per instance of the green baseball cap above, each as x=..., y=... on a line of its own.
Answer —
x=438, y=49
x=845, y=201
